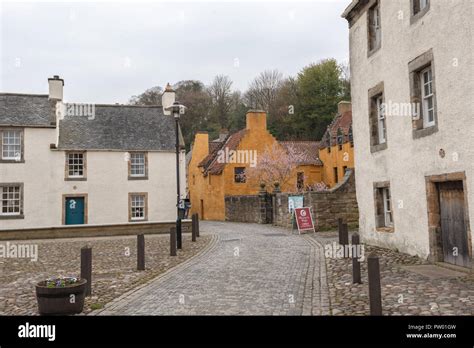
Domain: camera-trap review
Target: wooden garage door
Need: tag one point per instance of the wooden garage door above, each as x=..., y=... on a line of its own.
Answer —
x=453, y=224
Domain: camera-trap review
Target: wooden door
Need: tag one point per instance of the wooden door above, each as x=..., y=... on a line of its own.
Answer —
x=74, y=211
x=453, y=224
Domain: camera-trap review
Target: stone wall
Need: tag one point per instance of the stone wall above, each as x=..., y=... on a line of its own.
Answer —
x=249, y=208
x=327, y=207
x=73, y=231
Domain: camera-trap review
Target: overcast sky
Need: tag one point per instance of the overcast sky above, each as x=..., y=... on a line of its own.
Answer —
x=108, y=51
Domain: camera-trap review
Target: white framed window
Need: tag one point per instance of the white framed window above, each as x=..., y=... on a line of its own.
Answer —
x=375, y=28
x=419, y=5
x=427, y=97
x=387, y=207
x=11, y=200
x=138, y=208
x=75, y=164
x=381, y=121
x=11, y=145
x=137, y=164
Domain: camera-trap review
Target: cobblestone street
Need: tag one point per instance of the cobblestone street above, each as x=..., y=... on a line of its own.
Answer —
x=251, y=270
x=410, y=286
x=114, y=262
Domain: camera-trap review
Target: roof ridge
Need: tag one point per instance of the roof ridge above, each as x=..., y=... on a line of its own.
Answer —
x=123, y=105
x=24, y=94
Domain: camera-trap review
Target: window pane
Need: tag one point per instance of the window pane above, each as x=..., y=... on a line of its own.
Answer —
x=10, y=201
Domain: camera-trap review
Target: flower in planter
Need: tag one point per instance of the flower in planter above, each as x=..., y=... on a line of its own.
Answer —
x=61, y=282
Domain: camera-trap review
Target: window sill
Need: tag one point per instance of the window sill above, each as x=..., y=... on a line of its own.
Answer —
x=424, y=132
x=378, y=147
x=11, y=217
x=415, y=17
x=75, y=179
x=12, y=161
x=373, y=51
x=385, y=229
x=137, y=177
x=137, y=220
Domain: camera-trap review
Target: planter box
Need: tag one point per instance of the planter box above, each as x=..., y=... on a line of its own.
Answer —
x=57, y=301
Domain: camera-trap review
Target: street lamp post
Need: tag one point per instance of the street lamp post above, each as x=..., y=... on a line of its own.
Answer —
x=176, y=110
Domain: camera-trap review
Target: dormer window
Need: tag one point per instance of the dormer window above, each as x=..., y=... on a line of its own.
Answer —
x=340, y=138
x=351, y=137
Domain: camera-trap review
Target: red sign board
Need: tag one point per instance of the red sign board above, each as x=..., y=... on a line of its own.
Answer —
x=304, y=220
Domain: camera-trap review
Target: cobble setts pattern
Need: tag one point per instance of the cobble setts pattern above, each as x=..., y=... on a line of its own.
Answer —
x=251, y=270
x=114, y=272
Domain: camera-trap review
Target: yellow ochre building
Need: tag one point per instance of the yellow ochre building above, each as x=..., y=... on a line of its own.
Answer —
x=211, y=177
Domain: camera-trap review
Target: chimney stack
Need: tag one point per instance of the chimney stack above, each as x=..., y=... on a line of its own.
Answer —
x=55, y=88
x=168, y=98
x=256, y=119
x=343, y=107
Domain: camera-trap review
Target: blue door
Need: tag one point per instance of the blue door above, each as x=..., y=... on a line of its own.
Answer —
x=74, y=210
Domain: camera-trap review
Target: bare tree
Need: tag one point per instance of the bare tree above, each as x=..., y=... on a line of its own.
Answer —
x=263, y=90
x=151, y=96
x=221, y=98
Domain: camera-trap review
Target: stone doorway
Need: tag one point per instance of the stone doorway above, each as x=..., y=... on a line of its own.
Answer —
x=448, y=219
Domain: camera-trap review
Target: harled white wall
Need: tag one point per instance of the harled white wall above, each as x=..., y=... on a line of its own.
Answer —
x=448, y=29
x=107, y=184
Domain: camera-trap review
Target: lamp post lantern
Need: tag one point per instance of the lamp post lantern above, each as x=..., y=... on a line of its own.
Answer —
x=177, y=110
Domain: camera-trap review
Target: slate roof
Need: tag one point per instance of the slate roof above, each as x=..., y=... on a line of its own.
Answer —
x=26, y=110
x=309, y=148
x=119, y=127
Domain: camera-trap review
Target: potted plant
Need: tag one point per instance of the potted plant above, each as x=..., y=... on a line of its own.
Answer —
x=63, y=295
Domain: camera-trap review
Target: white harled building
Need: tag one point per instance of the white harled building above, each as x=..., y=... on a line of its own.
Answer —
x=85, y=164
x=412, y=82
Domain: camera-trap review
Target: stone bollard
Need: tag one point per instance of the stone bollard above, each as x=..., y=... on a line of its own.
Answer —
x=140, y=252
x=375, y=292
x=86, y=268
x=173, y=241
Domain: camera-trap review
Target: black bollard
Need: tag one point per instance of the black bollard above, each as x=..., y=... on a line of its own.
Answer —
x=355, y=260
x=173, y=241
x=193, y=228
x=140, y=252
x=197, y=225
x=375, y=292
x=86, y=268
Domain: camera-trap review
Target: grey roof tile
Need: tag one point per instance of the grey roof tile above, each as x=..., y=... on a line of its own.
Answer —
x=30, y=110
x=119, y=127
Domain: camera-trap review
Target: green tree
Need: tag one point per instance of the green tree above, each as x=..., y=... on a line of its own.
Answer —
x=320, y=88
